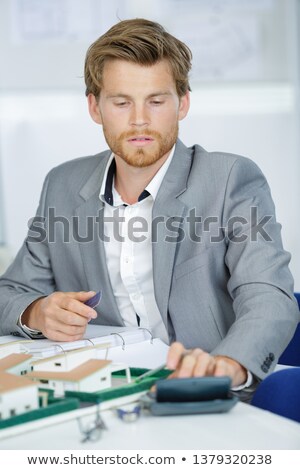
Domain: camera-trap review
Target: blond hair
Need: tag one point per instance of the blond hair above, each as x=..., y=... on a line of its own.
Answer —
x=140, y=41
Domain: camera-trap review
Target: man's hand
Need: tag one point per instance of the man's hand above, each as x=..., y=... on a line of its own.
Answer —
x=198, y=363
x=62, y=316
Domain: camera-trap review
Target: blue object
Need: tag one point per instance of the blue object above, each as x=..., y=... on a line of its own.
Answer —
x=291, y=355
x=129, y=415
x=280, y=393
x=95, y=300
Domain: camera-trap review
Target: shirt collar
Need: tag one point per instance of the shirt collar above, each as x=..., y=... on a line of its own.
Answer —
x=107, y=187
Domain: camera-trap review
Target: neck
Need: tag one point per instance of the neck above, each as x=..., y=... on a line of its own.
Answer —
x=131, y=181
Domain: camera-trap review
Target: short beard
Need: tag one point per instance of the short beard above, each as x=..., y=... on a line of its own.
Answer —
x=140, y=157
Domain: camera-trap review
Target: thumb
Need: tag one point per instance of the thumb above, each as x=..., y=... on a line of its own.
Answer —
x=82, y=296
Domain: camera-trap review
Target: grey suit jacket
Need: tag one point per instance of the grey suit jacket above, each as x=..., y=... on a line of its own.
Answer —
x=221, y=276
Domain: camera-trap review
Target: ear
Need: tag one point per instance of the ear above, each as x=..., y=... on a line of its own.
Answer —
x=184, y=106
x=94, y=108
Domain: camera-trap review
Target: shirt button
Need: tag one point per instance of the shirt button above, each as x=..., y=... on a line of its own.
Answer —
x=136, y=296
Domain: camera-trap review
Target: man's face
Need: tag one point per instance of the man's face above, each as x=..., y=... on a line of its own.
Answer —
x=139, y=110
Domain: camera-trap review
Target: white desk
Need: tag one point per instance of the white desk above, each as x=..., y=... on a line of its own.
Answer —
x=244, y=427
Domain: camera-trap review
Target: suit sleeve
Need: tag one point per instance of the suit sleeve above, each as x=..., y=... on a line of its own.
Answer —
x=260, y=284
x=30, y=275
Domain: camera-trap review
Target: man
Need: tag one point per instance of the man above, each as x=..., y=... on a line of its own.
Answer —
x=183, y=242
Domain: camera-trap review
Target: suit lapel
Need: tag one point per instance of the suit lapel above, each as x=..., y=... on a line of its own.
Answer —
x=169, y=207
x=90, y=214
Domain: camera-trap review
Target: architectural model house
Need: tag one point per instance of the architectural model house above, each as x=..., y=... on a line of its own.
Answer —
x=91, y=376
x=17, y=364
x=17, y=395
x=66, y=361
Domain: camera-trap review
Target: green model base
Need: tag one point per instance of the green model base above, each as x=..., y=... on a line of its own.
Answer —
x=124, y=390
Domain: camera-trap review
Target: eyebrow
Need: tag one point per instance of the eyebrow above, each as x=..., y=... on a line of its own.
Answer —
x=152, y=95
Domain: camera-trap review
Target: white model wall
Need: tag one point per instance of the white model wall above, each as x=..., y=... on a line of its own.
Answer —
x=19, y=400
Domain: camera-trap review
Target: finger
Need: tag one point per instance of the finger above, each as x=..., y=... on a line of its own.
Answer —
x=58, y=322
x=221, y=368
x=186, y=367
x=194, y=364
x=204, y=365
x=56, y=317
x=60, y=336
x=68, y=318
x=55, y=324
x=175, y=354
x=182, y=367
x=82, y=296
x=71, y=330
x=233, y=369
x=75, y=306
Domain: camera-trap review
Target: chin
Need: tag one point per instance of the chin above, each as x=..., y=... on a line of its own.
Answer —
x=141, y=159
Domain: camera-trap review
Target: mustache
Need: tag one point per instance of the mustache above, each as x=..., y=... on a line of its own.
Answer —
x=133, y=134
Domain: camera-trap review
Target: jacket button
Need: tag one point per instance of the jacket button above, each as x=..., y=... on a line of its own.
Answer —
x=264, y=368
x=271, y=357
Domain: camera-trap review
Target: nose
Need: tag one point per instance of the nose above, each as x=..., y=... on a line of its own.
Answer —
x=139, y=116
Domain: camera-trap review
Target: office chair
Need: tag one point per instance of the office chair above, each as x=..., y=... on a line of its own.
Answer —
x=291, y=355
x=279, y=393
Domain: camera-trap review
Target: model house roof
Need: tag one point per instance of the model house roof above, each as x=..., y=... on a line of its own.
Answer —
x=13, y=360
x=78, y=373
x=9, y=382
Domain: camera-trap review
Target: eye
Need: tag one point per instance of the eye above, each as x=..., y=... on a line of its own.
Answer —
x=121, y=104
x=156, y=102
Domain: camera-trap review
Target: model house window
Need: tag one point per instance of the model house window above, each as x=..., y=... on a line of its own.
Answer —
x=103, y=379
x=58, y=364
x=43, y=381
x=13, y=412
